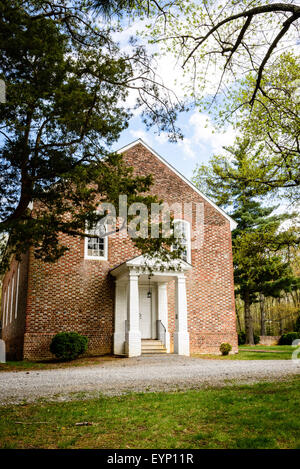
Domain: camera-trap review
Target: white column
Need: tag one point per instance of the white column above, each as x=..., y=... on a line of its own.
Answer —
x=120, y=317
x=181, y=336
x=133, y=335
x=162, y=311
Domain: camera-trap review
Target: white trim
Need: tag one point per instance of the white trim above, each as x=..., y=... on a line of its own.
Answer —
x=4, y=308
x=233, y=223
x=152, y=325
x=182, y=220
x=17, y=292
x=7, y=302
x=181, y=335
x=161, y=268
x=12, y=297
x=96, y=258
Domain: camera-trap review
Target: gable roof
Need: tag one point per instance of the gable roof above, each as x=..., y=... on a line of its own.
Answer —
x=233, y=223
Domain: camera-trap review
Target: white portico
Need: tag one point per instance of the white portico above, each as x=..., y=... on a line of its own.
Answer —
x=141, y=306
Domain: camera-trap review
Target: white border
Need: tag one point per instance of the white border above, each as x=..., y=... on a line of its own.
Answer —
x=12, y=297
x=233, y=224
x=189, y=255
x=17, y=291
x=4, y=308
x=7, y=302
x=96, y=258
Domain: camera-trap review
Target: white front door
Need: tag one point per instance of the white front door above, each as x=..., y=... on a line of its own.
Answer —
x=145, y=313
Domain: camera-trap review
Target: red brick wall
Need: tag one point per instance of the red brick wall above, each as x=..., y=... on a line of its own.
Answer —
x=13, y=324
x=76, y=294
x=210, y=289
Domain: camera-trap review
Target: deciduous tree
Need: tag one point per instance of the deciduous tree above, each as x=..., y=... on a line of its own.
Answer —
x=260, y=264
x=67, y=84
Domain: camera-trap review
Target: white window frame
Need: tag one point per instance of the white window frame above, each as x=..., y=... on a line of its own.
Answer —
x=96, y=258
x=188, y=230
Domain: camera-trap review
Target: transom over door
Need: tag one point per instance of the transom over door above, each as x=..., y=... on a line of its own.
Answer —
x=145, y=313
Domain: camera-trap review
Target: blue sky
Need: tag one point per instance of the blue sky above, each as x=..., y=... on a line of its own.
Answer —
x=201, y=138
x=201, y=141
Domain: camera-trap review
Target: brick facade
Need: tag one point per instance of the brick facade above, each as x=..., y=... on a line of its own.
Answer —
x=77, y=294
x=13, y=304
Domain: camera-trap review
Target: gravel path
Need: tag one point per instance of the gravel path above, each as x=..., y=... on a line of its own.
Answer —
x=151, y=373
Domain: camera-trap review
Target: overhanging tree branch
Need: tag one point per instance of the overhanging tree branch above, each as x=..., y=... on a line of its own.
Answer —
x=283, y=31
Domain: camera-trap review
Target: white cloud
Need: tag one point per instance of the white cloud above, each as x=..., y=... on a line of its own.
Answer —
x=162, y=138
x=203, y=139
x=187, y=145
x=205, y=132
x=140, y=133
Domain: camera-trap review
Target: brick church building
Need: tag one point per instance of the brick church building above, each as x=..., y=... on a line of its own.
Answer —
x=100, y=287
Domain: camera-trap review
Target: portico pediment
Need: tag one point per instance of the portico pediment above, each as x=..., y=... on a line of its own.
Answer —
x=145, y=265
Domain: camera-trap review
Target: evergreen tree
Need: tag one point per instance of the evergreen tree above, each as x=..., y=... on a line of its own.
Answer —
x=260, y=264
x=66, y=89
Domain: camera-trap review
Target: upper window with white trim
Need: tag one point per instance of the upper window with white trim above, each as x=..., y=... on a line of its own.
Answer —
x=183, y=233
x=96, y=246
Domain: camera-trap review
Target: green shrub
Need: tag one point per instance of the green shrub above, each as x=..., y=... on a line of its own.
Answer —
x=297, y=326
x=287, y=339
x=225, y=348
x=67, y=346
x=242, y=338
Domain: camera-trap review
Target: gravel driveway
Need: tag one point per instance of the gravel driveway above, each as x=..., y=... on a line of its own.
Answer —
x=149, y=373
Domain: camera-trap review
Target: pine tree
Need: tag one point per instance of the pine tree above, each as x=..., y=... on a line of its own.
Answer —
x=66, y=88
x=260, y=266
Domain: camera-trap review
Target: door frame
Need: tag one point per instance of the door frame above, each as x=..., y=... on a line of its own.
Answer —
x=153, y=311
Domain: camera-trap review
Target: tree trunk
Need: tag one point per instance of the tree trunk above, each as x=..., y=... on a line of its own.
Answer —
x=248, y=320
x=262, y=315
x=239, y=322
x=294, y=298
x=280, y=327
x=238, y=318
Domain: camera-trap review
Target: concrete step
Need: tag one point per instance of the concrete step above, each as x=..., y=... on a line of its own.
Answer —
x=151, y=341
x=152, y=346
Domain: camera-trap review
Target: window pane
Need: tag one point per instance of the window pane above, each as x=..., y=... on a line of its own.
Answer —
x=181, y=232
x=95, y=246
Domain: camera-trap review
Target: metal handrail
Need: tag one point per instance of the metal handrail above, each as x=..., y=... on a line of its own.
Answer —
x=161, y=331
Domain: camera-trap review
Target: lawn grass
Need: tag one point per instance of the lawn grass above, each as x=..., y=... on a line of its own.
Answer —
x=275, y=348
x=248, y=352
x=265, y=415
